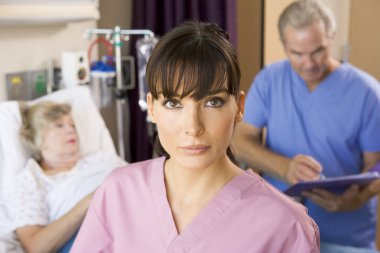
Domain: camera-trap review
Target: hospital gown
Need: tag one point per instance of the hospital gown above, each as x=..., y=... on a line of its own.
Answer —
x=37, y=199
x=130, y=213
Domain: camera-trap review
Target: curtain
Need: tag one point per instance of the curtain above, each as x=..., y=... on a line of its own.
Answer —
x=160, y=16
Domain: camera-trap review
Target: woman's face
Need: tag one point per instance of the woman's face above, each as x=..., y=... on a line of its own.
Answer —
x=60, y=139
x=196, y=134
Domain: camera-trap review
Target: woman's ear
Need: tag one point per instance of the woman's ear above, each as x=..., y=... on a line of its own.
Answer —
x=150, y=102
x=240, y=103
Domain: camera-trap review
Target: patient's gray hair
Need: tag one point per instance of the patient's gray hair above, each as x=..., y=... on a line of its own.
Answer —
x=303, y=13
x=35, y=120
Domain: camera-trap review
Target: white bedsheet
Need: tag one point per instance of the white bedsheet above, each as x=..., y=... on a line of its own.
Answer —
x=77, y=188
x=92, y=131
x=88, y=174
x=8, y=241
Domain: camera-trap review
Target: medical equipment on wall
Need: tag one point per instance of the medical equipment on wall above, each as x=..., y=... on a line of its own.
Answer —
x=102, y=84
x=103, y=74
x=27, y=85
x=115, y=37
x=75, y=69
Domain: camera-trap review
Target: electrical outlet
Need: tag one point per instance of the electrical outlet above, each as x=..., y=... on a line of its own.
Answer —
x=17, y=86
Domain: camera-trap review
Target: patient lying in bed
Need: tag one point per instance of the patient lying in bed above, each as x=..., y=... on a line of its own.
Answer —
x=50, y=197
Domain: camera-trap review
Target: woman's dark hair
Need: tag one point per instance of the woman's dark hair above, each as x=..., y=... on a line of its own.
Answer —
x=193, y=58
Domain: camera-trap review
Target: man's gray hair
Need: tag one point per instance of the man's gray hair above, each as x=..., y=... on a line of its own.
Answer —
x=303, y=13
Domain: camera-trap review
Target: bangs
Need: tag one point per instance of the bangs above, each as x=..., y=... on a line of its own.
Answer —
x=56, y=111
x=196, y=68
x=195, y=60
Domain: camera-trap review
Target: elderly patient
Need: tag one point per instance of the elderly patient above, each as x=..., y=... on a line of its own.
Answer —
x=51, y=195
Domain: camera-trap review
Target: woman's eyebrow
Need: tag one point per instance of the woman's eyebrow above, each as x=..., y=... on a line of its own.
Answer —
x=221, y=90
x=212, y=92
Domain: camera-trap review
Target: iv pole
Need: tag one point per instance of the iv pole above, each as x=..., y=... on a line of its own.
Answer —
x=115, y=36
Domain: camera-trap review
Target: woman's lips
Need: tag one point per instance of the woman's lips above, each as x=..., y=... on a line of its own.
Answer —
x=72, y=141
x=195, y=149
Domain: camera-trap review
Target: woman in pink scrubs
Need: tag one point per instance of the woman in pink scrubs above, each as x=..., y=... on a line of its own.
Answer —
x=193, y=197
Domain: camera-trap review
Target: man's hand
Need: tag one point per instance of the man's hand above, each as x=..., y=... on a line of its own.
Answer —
x=303, y=168
x=353, y=198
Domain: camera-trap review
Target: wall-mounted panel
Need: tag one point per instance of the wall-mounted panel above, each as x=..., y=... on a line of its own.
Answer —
x=23, y=12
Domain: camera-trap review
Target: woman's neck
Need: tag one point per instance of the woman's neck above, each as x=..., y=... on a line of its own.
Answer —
x=189, y=191
x=193, y=180
x=198, y=185
x=52, y=166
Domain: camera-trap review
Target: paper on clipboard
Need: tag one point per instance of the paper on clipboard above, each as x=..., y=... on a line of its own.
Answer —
x=335, y=184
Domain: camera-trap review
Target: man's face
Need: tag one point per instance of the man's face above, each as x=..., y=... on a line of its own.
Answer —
x=309, y=52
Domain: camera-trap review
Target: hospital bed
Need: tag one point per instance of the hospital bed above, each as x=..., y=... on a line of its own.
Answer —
x=91, y=129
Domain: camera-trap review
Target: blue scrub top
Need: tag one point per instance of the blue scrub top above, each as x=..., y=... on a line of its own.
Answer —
x=335, y=124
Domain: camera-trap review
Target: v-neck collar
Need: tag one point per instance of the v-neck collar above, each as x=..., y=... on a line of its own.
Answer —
x=324, y=86
x=195, y=230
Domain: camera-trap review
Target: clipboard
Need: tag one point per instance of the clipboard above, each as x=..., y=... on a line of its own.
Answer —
x=334, y=184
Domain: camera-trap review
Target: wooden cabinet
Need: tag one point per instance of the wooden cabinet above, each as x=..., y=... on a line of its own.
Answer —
x=249, y=39
x=365, y=36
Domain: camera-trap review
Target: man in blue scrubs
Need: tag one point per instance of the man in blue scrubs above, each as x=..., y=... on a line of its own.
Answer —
x=321, y=116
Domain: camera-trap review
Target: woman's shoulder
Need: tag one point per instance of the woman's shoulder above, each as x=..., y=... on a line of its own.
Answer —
x=136, y=171
x=127, y=182
x=101, y=155
x=28, y=179
x=100, y=160
x=31, y=169
x=269, y=198
x=277, y=210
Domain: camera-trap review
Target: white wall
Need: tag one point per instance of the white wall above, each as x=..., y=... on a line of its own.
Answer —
x=30, y=47
x=341, y=10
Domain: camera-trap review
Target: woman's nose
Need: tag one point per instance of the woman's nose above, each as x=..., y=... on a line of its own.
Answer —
x=192, y=122
x=70, y=128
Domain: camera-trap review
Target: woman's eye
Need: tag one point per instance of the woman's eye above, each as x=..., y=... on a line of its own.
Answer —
x=171, y=103
x=215, y=102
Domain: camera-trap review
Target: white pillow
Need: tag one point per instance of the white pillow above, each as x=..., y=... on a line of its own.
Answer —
x=92, y=131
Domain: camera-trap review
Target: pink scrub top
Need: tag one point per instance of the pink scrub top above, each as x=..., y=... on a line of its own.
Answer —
x=130, y=213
